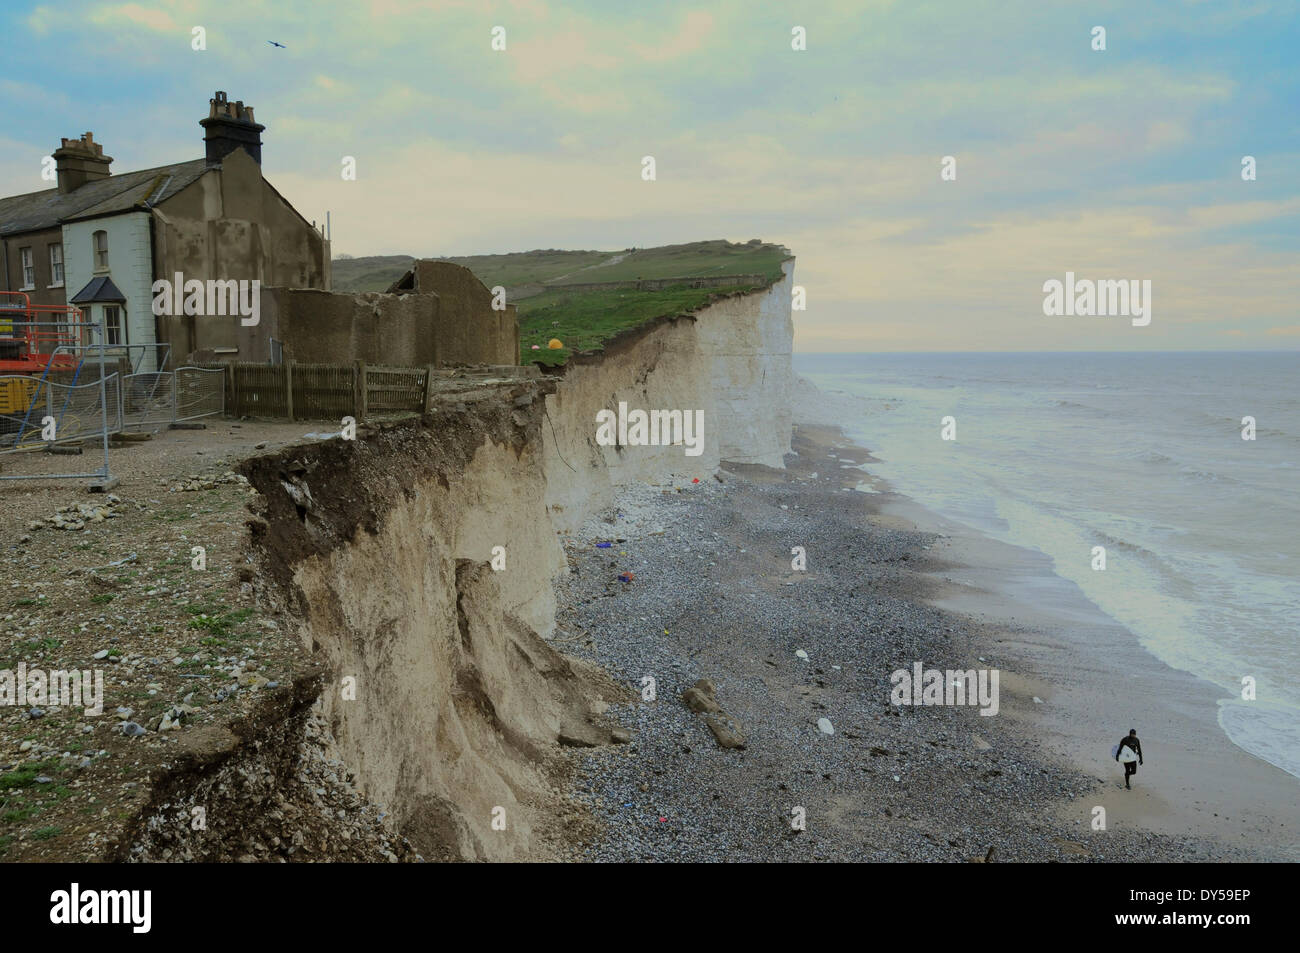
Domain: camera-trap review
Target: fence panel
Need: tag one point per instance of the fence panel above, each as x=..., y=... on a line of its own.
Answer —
x=322, y=391
x=395, y=389
x=147, y=400
x=199, y=392
x=260, y=391
x=77, y=410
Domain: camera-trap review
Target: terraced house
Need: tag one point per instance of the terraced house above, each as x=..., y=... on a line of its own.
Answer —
x=99, y=240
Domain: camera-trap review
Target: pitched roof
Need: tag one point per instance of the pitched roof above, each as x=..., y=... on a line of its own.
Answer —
x=98, y=289
x=116, y=193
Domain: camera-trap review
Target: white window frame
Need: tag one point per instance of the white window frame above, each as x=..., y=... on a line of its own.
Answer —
x=56, y=264
x=27, y=264
x=100, y=266
x=119, y=325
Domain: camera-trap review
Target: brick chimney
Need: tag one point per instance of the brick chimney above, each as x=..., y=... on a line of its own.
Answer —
x=79, y=161
x=230, y=126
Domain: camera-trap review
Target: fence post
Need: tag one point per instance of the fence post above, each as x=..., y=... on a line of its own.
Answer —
x=361, y=397
x=288, y=388
x=230, y=387
x=428, y=388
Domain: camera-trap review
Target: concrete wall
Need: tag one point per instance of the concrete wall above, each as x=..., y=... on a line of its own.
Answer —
x=129, y=266
x=231, y=224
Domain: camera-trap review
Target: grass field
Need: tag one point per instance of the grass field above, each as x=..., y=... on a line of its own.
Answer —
x=518, y=269
x=585, y=321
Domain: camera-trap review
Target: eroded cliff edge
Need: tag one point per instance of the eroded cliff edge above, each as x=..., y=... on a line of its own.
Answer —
x=436, y=687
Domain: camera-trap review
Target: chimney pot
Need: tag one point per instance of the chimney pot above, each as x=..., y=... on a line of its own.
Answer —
x=230, y=126
x=79, y=161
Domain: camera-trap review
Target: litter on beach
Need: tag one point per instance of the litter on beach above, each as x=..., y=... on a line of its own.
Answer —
x=604, y=545
x=626, y=576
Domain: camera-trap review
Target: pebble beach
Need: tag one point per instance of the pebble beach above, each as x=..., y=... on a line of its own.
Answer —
x=816, y=763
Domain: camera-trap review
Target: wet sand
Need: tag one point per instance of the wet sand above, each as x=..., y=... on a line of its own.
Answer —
x=1096, y=681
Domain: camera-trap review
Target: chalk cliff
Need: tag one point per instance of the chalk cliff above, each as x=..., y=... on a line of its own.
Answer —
x=440, y=692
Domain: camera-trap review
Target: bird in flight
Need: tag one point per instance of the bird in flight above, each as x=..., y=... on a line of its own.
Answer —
x=280, y=45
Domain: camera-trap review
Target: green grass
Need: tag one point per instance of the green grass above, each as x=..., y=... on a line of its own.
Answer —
x=585, y=321
x=516, y=269
x=46, y=833
x=25, y=775
x=20, y=814
x=216, y=620
x=103, y=599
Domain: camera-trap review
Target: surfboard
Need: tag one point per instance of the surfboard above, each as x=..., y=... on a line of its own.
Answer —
x=1114, y=751
x=1127, y=756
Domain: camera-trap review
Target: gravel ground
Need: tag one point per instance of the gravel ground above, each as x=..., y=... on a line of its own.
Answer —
x=713, y=595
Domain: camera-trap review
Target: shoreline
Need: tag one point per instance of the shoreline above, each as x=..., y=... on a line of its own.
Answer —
x=714, y=597
x=1096, y=680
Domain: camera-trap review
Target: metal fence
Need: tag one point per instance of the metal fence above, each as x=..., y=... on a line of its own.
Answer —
x=54, y=410
x=198, y=392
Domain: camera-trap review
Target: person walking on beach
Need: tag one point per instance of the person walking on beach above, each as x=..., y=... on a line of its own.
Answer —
x=1129, y=753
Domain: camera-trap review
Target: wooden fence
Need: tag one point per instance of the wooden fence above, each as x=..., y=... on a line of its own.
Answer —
x=323, y=391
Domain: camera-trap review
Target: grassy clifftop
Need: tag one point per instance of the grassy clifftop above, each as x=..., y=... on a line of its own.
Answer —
x=548, y=267
x=584, y=320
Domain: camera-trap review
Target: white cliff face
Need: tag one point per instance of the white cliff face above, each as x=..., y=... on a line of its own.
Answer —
x=748, y=342
x=731, y=361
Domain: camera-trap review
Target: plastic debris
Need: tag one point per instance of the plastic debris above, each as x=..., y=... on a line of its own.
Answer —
x=604, y=545
x=554, y=344
x=626, y=576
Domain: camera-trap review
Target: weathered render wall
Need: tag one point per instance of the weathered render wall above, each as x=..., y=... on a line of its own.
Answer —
x=447, y=320
x=469, y=331
x=322, y=327
x=232, y=225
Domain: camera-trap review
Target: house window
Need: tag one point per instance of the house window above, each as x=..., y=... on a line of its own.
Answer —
x=113, y=333
x=101, y=251
x=29, y=268
x=56, y=265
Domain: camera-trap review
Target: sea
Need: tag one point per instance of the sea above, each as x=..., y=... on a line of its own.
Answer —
x=1140, y=453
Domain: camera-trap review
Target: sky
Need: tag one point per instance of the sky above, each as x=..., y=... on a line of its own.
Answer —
x=1123, y=163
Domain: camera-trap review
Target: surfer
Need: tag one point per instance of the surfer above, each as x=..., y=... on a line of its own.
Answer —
x=1129, y=753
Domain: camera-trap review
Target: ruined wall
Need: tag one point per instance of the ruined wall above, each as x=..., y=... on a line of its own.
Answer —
x=322, y=327
x=468, y=330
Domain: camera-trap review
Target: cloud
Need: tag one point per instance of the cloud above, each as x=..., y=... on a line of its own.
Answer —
x=151, y=18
